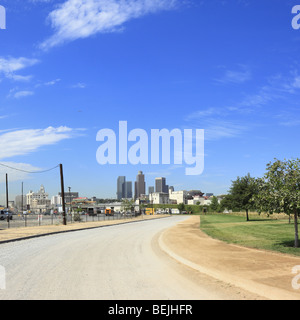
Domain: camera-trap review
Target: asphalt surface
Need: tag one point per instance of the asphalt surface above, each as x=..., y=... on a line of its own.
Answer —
x=120, y=262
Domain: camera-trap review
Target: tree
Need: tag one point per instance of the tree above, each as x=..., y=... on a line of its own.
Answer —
x=226, y=203
x=214, y=206
x=181, y=207
x=242, y=192
x=127, y=205
x=279, y=190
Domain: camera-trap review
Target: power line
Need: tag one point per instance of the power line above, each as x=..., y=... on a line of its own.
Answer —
x=17, y=169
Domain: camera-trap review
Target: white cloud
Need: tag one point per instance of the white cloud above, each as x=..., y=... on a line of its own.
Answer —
x=75, y=19
x=8, y=67
x=216, y=127
x=16, y=175
x=79, y=85
x=52, y=83
x=21, y=142
x=236, y=76
x=22, y=94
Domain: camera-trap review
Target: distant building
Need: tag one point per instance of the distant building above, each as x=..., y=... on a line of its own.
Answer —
x=140, y=185
x=121, y=185
x=159, y=198
x=69, y=196
x=124, y=188
x=56, y=201
x=178, y=196
x=38, y=201
x=128, y=190
x=40, y=195
x=160, y=185
x=209, y=194
x=150, y=190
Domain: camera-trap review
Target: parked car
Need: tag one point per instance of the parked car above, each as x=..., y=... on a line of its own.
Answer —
x=5, y=213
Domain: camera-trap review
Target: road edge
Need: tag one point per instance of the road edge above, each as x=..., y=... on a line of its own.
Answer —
x=264, y=291
x=33, y=236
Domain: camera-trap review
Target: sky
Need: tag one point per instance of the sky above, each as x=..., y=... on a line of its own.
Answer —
x=69, y=68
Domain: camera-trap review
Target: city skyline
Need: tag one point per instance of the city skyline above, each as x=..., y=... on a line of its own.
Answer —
x=230, y=68
x=125, y=192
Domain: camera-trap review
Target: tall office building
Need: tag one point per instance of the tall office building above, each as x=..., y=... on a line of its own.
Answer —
x=150, y=190
x=140, y=185
x=161, y=186
x=128, y=189
x=124, y=188
x=121, y=185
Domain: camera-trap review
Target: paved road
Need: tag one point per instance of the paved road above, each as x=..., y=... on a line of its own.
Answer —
x=113, y=263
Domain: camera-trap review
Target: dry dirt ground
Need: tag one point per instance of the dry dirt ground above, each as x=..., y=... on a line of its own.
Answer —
x=265, y=274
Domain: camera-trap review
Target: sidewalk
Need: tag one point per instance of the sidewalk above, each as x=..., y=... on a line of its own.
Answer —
x=264, y=273
x=15, y=234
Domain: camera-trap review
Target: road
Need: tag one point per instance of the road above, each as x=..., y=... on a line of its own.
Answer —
x=122, y=262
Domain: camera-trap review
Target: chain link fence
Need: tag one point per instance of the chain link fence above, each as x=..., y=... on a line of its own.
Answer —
x=32, y=220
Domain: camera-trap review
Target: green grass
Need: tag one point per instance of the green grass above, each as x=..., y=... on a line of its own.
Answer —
x=260, y=233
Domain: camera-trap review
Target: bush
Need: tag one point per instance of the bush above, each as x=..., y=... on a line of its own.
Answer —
x=77, y=217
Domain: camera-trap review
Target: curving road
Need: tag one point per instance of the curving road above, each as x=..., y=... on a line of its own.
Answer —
x=122, y=262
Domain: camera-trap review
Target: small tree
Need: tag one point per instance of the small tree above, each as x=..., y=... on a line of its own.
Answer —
x=242, y=192
x=226, y=203
x=279, y=190
x=127, y=205
x=181, y=207
x=214, y=206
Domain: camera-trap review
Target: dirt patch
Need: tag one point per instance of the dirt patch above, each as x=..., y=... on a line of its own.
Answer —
x=266, y=274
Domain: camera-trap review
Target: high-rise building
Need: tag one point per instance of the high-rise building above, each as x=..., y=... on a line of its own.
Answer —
x=140, y=185
x=150, y=190
x=121, y=187
x=128, y=189
x=161, y=186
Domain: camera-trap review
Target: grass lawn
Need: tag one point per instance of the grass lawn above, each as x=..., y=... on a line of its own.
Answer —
x=269, y=234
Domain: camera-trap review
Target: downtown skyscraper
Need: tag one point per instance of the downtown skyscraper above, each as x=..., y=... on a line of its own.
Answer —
x=161, y=186
x=124, y=188
x=140, y=185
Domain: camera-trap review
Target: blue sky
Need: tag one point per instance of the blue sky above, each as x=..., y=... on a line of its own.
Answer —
x=69, y=68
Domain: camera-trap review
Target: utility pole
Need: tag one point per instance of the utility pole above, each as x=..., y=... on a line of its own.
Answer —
x=22, y=204
x=63, y=194
x=6, y=191
x=70, y=209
